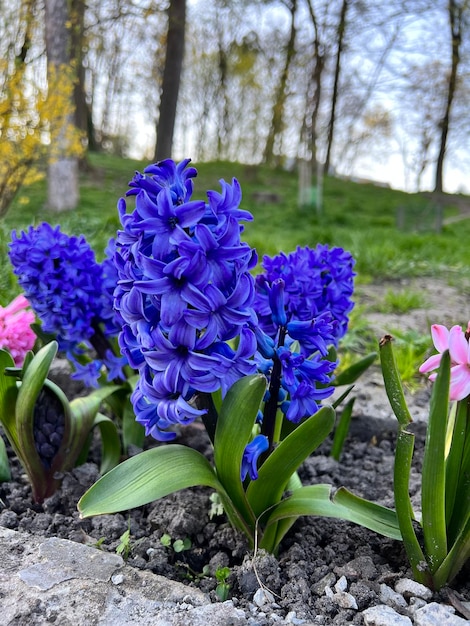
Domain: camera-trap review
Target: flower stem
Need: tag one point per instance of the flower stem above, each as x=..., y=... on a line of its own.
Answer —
x=270, y=425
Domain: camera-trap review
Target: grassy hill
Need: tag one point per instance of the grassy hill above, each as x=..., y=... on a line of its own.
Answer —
x=359, y=217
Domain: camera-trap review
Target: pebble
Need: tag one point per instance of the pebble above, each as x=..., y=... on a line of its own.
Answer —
x=341, y=585
x=263, y=597
x=383, y=615
x=319, y=587
x=408, y=588
x=390, y=597
x=434, y=614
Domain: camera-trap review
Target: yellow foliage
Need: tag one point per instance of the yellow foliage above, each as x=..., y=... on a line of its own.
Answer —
x=35, y=125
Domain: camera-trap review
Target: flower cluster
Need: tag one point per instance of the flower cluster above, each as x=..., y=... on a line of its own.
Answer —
x=71, y=294
x=457, y=342
x=16, y=334
x=316, y=280
x=302, y=302
x=185, y=292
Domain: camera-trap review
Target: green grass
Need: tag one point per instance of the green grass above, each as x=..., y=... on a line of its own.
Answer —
x=358, y=217
x=401, y=301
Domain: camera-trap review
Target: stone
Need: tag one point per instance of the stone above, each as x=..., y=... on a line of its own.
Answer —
x=81, y=592
x=383, y=615
x=434, y=614
x=390, y=597
x=409, y=588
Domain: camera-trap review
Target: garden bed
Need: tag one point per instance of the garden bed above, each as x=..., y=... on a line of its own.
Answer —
x=327, y=571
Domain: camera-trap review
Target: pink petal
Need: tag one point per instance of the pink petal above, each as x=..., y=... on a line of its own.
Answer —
x=17, y=304
x=431, y=364
x=440, y=337
x=459, y=382
x=458, y=346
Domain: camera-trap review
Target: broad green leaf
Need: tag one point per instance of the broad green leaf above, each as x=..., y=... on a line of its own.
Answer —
x=355, y=371
x=5, y=474
x=284, y=461
x=234, y=427
x=133, y=433
x=342, y=429
x=317, y=500
x=8, y=396
x=433, y=500
x=34, y=377
x=405, y=515
x=461, y=508
x=392, y=381
x=456, y=558
x=146, y=477
x=373, y=516
x=455, y=445
x=110, y=443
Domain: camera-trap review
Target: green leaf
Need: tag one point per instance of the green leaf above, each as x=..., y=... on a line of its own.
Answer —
x=110, y=443
x=8, y=396
x=461, y=508
x=317, y=500
x=405, y=515
x=392, y=381
x=456, y=441
x=433, y=500
x=342, y=429
x=133, y=433
x=355, y=371
x=146, y=477
x=34, y=377
x=284, y=461
x=456, y=558
x=5, y=474
x=233, y=433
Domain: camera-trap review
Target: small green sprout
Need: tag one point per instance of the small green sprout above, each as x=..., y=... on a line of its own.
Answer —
x=179, y=545
x=124, y=548
x=223, y=587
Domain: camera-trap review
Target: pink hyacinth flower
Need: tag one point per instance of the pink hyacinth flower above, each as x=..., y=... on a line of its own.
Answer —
x=456, y=342
x=16, y=334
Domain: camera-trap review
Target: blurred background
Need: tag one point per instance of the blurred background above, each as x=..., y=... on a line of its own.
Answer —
x=360, y=89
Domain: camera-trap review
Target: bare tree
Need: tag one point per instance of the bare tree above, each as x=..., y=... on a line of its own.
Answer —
x=171, y=78
x=456, y=16
x=340, y=31
x=281, y=93
x=62, y=178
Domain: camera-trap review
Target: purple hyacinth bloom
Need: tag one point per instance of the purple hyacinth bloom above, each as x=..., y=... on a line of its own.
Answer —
x=70, y=292
x=302, y=303
x=252, y=452
x=184, y=290
x=316, y=280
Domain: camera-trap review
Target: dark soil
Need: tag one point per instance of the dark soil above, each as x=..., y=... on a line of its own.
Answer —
x=314, y=549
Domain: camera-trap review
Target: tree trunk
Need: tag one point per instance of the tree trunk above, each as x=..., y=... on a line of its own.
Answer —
x=62, y=178
x=281, y=93
x=83, y=119
x=455, y=23
x=331, y=124
x=317, y=77
x=171, y=78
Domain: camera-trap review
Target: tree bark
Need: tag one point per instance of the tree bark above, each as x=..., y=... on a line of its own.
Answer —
x=334, y=98
x=281, y=93
x=62, y=178
x=171, y=78
x=83, y=118
x=455, y=22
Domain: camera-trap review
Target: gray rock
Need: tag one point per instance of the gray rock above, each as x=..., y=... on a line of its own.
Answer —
x=58, y=581
x=434, y=614
x=390, y=597
x=409, y=588
x=383, y=615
